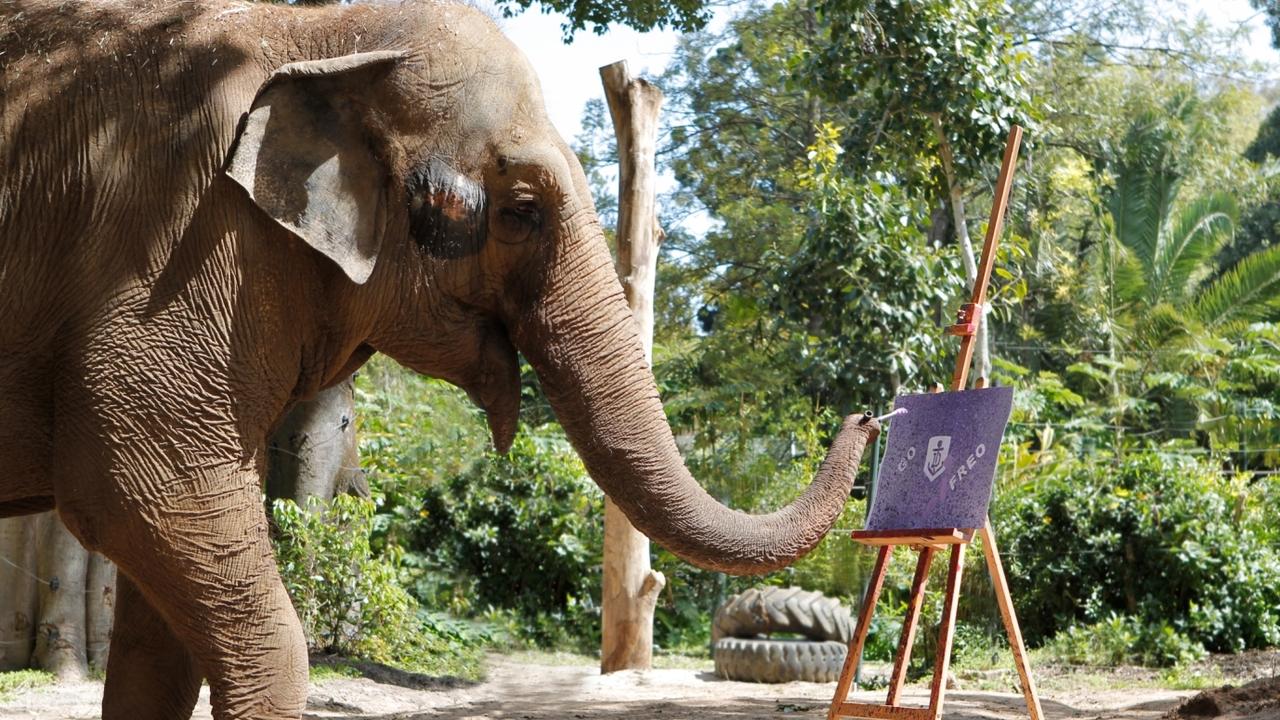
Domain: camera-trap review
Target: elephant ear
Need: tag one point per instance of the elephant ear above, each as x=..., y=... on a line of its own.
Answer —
x=303, y=155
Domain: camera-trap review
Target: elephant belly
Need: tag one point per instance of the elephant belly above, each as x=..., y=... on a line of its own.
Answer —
x=26, y=506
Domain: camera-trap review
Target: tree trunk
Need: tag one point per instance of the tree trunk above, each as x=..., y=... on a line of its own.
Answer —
x=314, y=453
x=63, y=566
x=631, y=587
x=99, y=610
x=56, y=610
x=18, y=604
x=982, y=348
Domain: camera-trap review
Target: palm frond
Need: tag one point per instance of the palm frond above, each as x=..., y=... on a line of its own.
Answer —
x=1188, y=244
x=1248, y=291
x=1161, y=326
x=1128, y=277
x=1146, y=183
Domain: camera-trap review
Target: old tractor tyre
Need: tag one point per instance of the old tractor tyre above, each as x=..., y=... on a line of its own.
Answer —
x=779, y=661
x=769, y=610
x=742, y=654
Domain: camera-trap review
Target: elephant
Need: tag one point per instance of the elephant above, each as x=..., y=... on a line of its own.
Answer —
x=210, y=211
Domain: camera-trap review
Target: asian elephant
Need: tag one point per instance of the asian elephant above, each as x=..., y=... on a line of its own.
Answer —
x=209, y=211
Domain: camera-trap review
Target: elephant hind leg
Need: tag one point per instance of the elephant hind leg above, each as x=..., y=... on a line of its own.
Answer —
x=150, y=673
x=200, y=556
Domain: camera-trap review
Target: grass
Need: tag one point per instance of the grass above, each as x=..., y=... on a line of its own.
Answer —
x=333, y=671
x=21, y=680
x=986, y=664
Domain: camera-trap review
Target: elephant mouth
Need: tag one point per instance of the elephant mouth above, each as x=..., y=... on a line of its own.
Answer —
x=495, y=385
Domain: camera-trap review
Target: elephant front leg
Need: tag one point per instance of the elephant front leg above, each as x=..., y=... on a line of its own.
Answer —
x=150, y=673
x=201, y=557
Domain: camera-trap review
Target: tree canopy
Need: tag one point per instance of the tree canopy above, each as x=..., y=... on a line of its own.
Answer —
x=600, y=15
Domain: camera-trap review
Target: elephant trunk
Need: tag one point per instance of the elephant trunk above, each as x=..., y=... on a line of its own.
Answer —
x=583, y=342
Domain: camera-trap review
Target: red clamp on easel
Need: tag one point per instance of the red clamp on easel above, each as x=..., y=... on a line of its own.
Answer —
x=967, y=319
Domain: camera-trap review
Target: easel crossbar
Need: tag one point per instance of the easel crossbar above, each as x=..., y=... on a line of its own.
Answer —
x=935, y=538
x=882, y=712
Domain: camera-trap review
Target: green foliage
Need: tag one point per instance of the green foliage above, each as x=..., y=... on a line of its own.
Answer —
x=865, y=331
x=885, y=632
x=1157, y=536
x=1170, y=243
x=919, y=64
x=414, y=433
x=520, y=533
x=683, y=15
x=1267, y=144
x=1122, y=640
x=1259, y=227
x=349, y=601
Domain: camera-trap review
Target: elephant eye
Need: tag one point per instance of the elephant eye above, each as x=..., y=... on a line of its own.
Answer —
x=521, y=220
x=526, y=213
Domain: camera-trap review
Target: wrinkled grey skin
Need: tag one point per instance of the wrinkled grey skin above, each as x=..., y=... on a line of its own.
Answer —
x=211, y=211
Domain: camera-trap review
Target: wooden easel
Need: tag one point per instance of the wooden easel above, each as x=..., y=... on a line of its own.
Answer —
x=929, y=542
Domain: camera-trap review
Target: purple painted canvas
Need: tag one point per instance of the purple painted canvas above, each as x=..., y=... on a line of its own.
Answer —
x=941, y=461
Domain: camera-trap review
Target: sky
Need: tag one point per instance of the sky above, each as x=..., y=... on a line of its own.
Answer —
x=570, y=73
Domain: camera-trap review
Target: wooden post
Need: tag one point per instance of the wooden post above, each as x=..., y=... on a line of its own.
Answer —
x=631, y=587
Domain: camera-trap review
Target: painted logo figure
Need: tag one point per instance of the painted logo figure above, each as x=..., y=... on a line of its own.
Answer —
x=936, y=459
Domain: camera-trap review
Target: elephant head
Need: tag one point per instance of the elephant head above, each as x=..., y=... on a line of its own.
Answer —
x=428, y=172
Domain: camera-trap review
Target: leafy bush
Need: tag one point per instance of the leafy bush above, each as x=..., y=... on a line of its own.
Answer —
x=1157, y=536
x=414, y=432
x=349, y=601
x=1124, y=640
x=520, y=533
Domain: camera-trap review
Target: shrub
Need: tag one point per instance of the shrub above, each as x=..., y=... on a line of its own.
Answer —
x=1124, y=640
x=349, y=601
x=1166, y=539
x=520, y=533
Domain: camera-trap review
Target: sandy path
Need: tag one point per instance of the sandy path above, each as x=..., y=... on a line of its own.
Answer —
x=559, y=692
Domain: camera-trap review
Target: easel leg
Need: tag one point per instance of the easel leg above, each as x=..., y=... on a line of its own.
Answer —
x=947, y=634
x=1005, y=601
x=860, y=632
x=909, y=622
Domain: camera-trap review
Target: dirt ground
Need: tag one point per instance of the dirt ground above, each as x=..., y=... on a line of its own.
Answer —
x=1255, y=700
x=534, y=690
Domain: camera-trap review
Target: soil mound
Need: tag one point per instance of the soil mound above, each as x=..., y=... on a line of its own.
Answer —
x=1257, y=700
